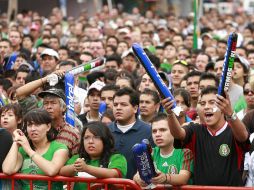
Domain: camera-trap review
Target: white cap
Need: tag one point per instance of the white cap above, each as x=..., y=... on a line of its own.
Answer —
x=126, y=53
x=98, y=85
x=50, y=52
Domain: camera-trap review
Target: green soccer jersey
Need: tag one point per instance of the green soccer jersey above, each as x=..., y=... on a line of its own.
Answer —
x=29, y=167
x=178, y=159
x=116, y=161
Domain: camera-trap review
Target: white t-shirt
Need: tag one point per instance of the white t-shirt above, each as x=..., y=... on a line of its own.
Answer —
x=125, y=128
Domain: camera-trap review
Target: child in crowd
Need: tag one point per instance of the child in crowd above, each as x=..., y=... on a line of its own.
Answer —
x=11, y=117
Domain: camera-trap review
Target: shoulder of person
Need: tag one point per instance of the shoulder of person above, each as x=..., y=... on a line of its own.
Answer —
x=58, y=145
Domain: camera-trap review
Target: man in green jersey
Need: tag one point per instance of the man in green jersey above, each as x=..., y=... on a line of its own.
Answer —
x=174, y=166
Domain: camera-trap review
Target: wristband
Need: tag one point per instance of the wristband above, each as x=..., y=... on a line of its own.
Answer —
x=33, y=155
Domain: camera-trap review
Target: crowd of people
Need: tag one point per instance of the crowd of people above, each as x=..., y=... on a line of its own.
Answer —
x=209, y=143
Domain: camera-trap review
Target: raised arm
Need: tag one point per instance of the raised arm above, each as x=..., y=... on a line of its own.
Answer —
x=23, y=91
x=238, y=128
x=175, y=128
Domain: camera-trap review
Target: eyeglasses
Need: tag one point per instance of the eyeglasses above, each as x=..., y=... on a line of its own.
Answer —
x=247, y=91
x=181, y=62
x=94, y=138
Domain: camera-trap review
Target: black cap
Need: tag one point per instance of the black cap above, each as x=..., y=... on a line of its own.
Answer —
x=52, y=91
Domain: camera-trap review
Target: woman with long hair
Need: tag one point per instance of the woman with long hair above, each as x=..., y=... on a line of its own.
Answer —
x=34, y=150
x=97, y=156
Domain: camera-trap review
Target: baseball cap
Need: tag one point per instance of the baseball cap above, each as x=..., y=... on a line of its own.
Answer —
x=54, y=92
x=206, y=34
x=50, y=52
x=244, y=62
x=97, y=85
x=126, y=53
x=124, y=30
x=162, y=27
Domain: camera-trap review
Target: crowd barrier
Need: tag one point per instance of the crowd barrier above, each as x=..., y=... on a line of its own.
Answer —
x=106, y=184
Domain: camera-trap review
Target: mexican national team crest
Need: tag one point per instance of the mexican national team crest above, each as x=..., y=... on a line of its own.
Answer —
x=224, y=150
x=172, y=169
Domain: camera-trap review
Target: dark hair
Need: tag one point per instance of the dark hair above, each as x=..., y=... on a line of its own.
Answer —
x=209, y=76
x=110, y=76
x=16, y=108
x=209, y=90
x=126, y=75
x=64, y=63
x=134, y=96
x=98, y=129
x=6, y=83
x=115, y=58
x=154, y=59
x=193, y=74
x=209, y=66
x=29, y=36
x=39, y=116
x=159, y=117
x=110, y=87
x=109, y=114
x=6, y=40
x=117, y=40
x=185, y=95
x=32, y=76
x=154, y=94
x=23, y=70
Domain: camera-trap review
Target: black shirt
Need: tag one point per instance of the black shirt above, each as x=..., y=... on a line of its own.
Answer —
x=5, y=145
x=218, y=160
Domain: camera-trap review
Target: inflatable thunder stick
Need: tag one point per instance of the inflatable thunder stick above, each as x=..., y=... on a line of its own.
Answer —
x=228, y=64
x=151, y=71
x=69, y=92
x=144, y=162
x=88, y=66
x=69, y=86
x=102, y=108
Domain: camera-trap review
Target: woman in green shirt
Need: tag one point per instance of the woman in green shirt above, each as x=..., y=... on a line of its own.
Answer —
x=35, y=152
x=96, y=155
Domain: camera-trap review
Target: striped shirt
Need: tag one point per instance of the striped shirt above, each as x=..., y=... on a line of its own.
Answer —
x=70, y=137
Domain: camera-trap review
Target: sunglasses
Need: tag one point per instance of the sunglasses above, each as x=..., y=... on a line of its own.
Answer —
x=247, y=91
x=181, y=62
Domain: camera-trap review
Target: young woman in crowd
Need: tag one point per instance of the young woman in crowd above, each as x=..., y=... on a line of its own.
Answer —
x=96, y=155
x=183, y=100
x=11, y=117
x=34, y=151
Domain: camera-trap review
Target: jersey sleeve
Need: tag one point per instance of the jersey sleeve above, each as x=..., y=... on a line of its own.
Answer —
x=118, y=162
x=187, y=160
x=72, y=159
x=190, y=138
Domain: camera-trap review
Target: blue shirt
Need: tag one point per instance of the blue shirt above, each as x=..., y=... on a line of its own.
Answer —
x=125, y=141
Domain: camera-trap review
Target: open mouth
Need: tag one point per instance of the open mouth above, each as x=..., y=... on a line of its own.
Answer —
x=208, y=115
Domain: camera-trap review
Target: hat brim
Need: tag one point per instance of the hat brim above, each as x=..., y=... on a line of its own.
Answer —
x=45, y=93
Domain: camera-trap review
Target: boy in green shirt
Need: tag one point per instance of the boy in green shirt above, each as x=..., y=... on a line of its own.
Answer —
x=174, y=166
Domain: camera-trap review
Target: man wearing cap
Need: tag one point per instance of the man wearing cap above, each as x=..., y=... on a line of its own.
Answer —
x=129, y=63
x=54, y=104
x=49, y=60
x=162, y=33
x=93, y=96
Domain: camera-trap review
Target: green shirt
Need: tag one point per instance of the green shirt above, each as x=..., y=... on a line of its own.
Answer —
x=179, y=159
x=29, y=167
x=116, y=161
